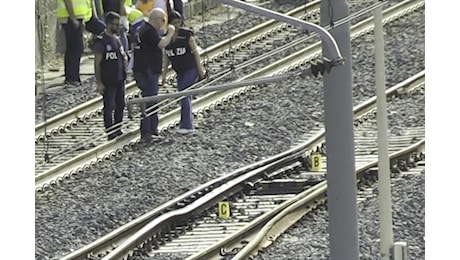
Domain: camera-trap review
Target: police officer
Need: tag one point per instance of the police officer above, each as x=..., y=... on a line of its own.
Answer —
x=118, y=6
x=148, y=66
x=185, y=60
x=110, y=66
x=75, y=16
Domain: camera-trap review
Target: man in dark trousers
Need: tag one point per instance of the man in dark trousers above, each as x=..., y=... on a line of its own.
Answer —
x=75, y=16
x=110, y=66
x=148, y=66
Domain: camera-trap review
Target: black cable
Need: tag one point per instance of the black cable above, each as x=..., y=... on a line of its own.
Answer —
x=230, y=50
x=203, y=26
x=331, y=14
x=307, y=18
x=42, y=71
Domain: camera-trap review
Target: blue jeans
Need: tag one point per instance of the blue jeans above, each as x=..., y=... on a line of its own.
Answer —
x=114, y=104
x=185, y=80
x=148, y=83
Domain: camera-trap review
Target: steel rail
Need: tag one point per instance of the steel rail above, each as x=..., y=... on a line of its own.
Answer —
x=214, y=51
x=268, y=221
x=61, y=170
x=118, y=236
x=104, y=151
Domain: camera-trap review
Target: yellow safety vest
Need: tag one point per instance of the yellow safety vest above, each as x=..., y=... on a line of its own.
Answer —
x=134, y=15
x=145, y=7
x=128, y=3
x=89, y=13
x=81, y=8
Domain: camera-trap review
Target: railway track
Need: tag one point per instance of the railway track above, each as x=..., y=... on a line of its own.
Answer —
x=261, y=196
x=79, y=133
x=76, y=140
x=95, y=202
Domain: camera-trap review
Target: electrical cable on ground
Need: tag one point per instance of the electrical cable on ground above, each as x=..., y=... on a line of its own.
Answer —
x=42, y=76
x=203, y=26
x=230, y=49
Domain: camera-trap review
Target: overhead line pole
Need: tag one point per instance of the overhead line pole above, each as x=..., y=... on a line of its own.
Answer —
x=338, y=107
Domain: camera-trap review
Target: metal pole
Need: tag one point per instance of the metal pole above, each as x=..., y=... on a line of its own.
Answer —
x=338, y=106
x=225, y=86
x=386, y=229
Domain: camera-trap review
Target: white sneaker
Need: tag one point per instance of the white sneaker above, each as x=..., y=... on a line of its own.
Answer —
x=184, y=131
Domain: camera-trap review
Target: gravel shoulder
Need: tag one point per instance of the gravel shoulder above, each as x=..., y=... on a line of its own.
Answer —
x=100, y=199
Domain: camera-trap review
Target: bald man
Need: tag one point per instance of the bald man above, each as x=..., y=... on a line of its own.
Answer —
x=148, y=58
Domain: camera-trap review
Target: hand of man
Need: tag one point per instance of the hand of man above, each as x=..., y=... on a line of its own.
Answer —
x=124, y=23
x=171, y=29
x=202, y=74
x=75, y=23
x=100, y=88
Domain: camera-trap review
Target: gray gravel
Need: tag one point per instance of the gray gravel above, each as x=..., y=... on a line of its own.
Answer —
x=100, y=199
x=308, y=238
x=60, y=98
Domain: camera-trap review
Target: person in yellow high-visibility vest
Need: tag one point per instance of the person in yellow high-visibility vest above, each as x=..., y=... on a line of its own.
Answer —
x=135, y=18
x=75, y=16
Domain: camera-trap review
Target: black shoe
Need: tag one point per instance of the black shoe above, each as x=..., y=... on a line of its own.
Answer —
x=146, y=138
x=114, y=135
x=72, y=83
x=118, y=133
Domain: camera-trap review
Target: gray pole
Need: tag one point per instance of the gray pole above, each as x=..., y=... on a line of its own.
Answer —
x=386, y=226
x=338, y=108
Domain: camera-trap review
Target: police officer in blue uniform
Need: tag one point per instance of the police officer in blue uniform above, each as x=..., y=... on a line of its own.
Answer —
x=186, y=62
x=110, y=66
x=148, y=60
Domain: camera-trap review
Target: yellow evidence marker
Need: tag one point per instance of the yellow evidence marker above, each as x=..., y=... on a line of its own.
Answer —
x=224, y=209
x=316, y=162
